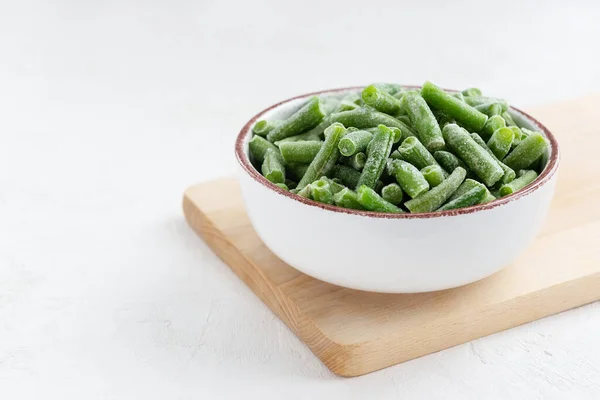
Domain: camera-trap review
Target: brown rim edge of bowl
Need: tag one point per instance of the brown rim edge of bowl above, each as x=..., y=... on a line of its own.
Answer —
x=544, y=177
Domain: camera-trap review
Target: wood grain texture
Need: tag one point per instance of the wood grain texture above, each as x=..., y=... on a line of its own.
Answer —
x=356, y=332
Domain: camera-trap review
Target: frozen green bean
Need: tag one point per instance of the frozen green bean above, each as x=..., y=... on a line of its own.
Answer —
x=258, y=147
x=303, y=137
x=469, y=184
x=508, y=118
x=458, y=95
x=422, y=119
x=272, y=167
x=348, y=199
x=299, y=152
x=492, y=125
x=501, y=141
x=371, y=201
x=489, y=109
x=357, y=161
x=477, y=159
x=518, y=136
x=376, y=158
x=448, y=161
x=471, y=92
x=392, y=193
x=321, y=191
x=436, y=197
x=305, y=192
x=307, y=117
x=391, y=88
x=410, y=179
x=263, y=126
x=523, y=180
x=381, y=100
x=348, y=175
x=346, y=105
x=478, y=100
x=396, y=131
x=529, y=150
x=434, y=175
x=462, y=112
x=334, y=185
x=327, y=157
x=355, y=142
x=509, y=173
x=413, y=151
x=470, y=198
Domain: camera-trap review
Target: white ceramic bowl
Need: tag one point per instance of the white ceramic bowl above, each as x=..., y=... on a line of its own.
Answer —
x=394, y=253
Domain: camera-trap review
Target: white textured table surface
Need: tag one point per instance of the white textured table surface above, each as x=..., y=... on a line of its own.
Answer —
x=108, y=110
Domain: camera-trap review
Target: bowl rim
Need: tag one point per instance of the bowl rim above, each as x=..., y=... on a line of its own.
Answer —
x=244, y=161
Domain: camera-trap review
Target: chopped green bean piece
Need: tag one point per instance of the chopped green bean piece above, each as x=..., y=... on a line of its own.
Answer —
x=461, y=111
x=529, y=150
x=410, y=179
x=346, y=105
x=413, y=151
x=518, y=136
x=478, y=100
x=508, y=118
x=381, y=100
x=391, y=88
x=258, y=147
x=448, y=161
x=263, y=126
x=272, y=167
x=333, y=184
x=489, y=109
x=380, y=150
x=477, y=159
x=458, y=95
x=357, y=161
x=392, y=193
x=471, y=92
x=469, y=184
x=492, y=125
x=397, y=134
x=434, y=174
x=370, y=200
x=427, y=129
x=327, y=157
x=321, y=191
x=299, y=152
x=523, y=180
x=355, y=142
x=434, y=198
x=282, y=186
x=470, y=198
x=509, y=173
x=348, y=199
x=307, y=136
x=307, y=117
x=501, y=141
x=305, y=192
x=348, y=175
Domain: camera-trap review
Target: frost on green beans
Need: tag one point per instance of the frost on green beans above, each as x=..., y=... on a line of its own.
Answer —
x=337, y=148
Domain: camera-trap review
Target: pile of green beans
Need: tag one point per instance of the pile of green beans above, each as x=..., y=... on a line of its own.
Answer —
x=392, y=149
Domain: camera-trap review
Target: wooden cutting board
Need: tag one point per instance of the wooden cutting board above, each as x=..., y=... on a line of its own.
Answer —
x=356, y=332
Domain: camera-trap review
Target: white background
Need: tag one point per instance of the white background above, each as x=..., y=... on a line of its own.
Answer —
x=109, y=109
